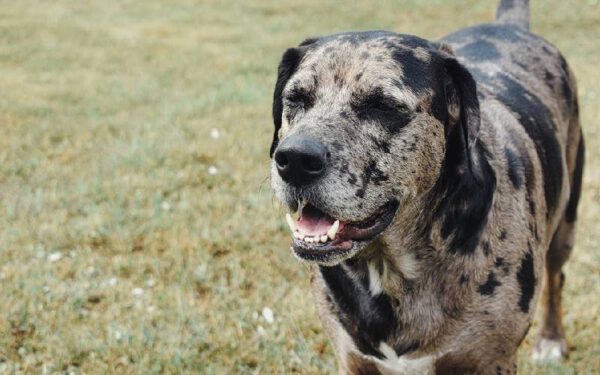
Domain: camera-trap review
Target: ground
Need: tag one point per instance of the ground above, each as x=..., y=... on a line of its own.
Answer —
x=138, y=232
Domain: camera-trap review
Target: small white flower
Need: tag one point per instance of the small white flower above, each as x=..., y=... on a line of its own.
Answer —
x=267, y=313
x=137, y=292
x=54, y=257
x=212, y=170
x=150, y=283
x=261, y=331
x=165, y=206
x=46, y=289
x=112, y=281
x=215, y=133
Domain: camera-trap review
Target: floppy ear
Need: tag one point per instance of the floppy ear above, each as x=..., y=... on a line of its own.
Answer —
x=287, y=67
x=467, y=182
x=463, y=110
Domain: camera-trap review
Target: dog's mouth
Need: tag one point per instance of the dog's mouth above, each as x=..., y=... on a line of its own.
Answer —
x=321, y=238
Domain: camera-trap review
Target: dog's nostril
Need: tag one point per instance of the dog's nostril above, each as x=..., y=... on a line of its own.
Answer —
x=312, y=164
x=281, y=160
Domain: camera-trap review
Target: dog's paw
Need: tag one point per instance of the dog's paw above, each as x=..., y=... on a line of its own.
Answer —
x=548, y=350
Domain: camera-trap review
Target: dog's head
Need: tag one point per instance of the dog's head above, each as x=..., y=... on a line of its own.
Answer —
x=364, y=123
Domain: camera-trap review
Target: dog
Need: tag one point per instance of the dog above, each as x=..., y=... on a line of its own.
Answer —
x=436, y=185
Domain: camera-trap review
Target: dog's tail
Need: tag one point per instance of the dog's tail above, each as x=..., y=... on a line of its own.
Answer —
x=513, y=12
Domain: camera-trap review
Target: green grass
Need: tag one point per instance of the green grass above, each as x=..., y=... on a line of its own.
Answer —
x=106, y=111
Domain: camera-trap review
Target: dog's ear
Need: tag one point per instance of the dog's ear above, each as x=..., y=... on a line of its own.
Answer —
x=289, y=63
x=464, y=117
x=468, y=181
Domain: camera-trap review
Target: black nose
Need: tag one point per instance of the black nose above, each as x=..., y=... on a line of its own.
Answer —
x=300, y=160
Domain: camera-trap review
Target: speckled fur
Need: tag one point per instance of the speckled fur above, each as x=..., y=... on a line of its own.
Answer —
x=460, y=278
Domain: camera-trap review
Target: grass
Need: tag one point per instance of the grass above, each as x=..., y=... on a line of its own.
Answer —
x=121, y=253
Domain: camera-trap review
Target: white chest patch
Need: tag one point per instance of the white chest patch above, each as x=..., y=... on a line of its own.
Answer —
x=374, y=279
x=402, y=365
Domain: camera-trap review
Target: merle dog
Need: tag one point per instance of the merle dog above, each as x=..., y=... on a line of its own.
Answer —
x=436, y=185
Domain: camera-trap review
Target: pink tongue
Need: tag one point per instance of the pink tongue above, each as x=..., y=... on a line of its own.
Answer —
x=313, y=222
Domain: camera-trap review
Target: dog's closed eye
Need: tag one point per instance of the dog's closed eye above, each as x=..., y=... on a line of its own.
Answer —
x=299, y=98
x=376, y=106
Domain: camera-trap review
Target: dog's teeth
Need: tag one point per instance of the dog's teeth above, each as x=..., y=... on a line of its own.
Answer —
x=333, y=230
x=290, y=222
x=299, y=235
x=308, y=239
x=324, y=238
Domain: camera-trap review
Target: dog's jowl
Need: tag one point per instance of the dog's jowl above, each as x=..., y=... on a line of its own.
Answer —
x=435, y=187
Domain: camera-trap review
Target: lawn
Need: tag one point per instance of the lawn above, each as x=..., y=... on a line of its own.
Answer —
x=138, y=232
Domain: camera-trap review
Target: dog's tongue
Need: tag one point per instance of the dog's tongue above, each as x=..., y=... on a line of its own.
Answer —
x=313, y=221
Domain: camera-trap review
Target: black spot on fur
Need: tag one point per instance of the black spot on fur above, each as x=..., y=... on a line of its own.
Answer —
x=381, y=144
x=415, y=73
x=485, y=246
x=571, y=211
x=370, y=173
x=337, y=80
x=463, y=279
x=526, y=280
x=531, y=207
x=492, y=32
x=565, y=84
x=515, y=168
x=499, y=262
x=549, y=79
x=480, y=50
x=489, y=286
x=368, y=319
x=503, y=235
x=536, y=118
x=358, y=76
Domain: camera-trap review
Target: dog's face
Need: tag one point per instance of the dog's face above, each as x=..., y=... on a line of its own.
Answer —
x=361, y=129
